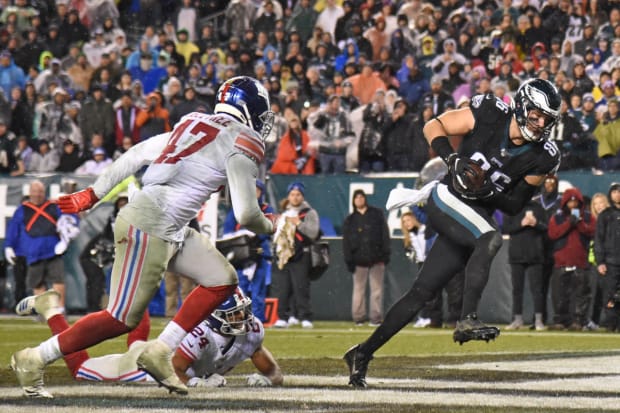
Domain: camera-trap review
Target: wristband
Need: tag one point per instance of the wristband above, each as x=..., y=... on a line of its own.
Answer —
x=441, y=146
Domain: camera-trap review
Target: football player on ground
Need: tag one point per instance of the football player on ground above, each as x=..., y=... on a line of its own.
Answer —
x=201, y=155
x=227, y=337
x=511, y=147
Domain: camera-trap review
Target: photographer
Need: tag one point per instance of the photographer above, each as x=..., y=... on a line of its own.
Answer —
x=99, y=253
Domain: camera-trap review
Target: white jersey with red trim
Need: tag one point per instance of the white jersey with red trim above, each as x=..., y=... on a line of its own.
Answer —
x=210, y=352
x=185, y=167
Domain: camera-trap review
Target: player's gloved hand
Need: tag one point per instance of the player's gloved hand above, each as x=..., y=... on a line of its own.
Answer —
x=78, y=201
x=258, y=380
x=274, y=220
x=9, y=254
x=214, y=380
x=459, y=167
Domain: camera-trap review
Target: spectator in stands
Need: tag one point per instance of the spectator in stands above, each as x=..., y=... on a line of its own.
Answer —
x=297, y=228
x=44, y=159
x=437, y=97
x=8, y=142
x=11, y=75
x=398, y=138
x=70, y=158
x=583, y=83
x=110, y=91
x=365, y=84
x=72, y=30
x=81, y=73
x=366, y=249
x=22, y=155
x=113, y=68
x=50, y=123
x=53, y=75
x=148, y=75
x=571, y=229
x=96, y=165
x=607, y=134
x=96, y=47
x=97, y=118
x=333, y=131
x=413, y=85
x=371, y=147
x=441, y=62
x=184, y=46
x=154, y=119
x=302, y=19
x=578, y=150
x=378, y=37
x=527, y=231
x=294, y=155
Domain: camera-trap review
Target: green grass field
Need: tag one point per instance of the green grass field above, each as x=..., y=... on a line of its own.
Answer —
x=418, y=370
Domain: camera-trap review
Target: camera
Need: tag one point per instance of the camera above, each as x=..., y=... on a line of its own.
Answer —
x=102, y=253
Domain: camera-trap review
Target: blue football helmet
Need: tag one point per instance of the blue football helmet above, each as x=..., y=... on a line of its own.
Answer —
x=234, y=316
x=536, y=94
x=247, y=100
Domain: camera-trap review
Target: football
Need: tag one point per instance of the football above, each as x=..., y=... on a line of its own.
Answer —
x=475, y=176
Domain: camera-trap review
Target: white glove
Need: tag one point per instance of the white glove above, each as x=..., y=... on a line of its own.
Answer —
x=60, y=247
x=258, y=380
x=214, y=380
x=9, y=254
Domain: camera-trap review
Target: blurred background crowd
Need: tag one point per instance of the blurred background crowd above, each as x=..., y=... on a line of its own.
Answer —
x=351, y=82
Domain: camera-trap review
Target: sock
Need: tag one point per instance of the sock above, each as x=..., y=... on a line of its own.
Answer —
x=196, y=307
x=538, y=318
x=50, y=350
x=58, y=324
x=518, y=318
x=90, y=330
x=172, y=335
x=141, y=332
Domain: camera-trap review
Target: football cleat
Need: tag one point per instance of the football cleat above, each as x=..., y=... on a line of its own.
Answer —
x=46, y=305
x=156, y=360
x=28, y=367
x=470, y=328
x=358, y=365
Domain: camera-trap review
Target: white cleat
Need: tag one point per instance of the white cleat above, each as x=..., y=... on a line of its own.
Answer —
x=46, y=305
x=28, y=367
x=156, y=360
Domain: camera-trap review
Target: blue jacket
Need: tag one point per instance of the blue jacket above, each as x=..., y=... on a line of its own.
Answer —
x=35, y=242
x=11, y=76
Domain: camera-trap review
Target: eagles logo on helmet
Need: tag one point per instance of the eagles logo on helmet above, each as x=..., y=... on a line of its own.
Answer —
x=234, y=316
x=541, y=95
x=247, y=100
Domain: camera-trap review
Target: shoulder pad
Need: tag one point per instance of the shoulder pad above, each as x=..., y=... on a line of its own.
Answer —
x=250, y=146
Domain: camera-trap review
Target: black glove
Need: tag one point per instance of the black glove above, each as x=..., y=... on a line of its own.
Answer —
x=459, y=167
x=573, y=219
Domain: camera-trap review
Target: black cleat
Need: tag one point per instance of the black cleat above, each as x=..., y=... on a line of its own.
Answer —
x=358, y=365
x=471, y=328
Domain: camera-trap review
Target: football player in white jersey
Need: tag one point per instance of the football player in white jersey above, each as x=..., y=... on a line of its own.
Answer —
x=226, y=338
x=185, y=166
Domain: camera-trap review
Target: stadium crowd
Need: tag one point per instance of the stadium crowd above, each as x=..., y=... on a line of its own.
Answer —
x=351, y=82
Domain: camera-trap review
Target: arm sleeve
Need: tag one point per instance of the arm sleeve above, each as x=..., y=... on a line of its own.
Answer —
x=513, y=201
x=242, y=172
x=137, y=156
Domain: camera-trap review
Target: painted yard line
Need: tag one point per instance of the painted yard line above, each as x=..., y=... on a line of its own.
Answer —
x=342, y=397
x=598, y=384
x=577, y=365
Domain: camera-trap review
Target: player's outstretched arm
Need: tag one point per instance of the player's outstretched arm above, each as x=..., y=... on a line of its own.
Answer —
x=268, y=366
x=242, y=172
x=181, y=364
x=136, y=157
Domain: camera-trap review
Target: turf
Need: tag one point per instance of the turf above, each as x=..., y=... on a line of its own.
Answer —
x=423, y=357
